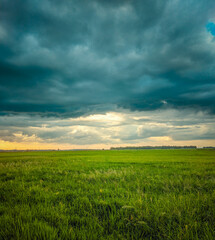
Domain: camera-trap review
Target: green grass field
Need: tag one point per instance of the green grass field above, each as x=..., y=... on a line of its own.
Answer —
x=149, y=194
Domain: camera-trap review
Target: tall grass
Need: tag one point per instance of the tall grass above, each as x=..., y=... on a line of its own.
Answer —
x=149, y=194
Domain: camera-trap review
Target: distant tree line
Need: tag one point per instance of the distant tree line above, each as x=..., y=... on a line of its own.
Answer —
x=209, y=147
x=153, y=147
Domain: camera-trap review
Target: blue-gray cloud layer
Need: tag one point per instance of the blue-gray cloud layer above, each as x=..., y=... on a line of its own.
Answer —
x=77, y=57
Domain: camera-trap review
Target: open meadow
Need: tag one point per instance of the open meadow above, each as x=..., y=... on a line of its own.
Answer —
x=128, y=194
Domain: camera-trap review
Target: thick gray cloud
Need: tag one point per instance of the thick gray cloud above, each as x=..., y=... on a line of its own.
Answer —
x=78, y=57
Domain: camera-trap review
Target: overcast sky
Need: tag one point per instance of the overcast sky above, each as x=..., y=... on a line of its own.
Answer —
x=95, y=74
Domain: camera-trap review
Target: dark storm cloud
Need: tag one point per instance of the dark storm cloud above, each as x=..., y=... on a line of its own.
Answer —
x=79, y=57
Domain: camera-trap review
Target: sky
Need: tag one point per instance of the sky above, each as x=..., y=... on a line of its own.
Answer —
x=101, y=73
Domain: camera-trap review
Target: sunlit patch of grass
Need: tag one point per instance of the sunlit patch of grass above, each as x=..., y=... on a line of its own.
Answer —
x=152, y=194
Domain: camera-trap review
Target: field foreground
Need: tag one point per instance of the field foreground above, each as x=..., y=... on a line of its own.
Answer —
x=149, y=194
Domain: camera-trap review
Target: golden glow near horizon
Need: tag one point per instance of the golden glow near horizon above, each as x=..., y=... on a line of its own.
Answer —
x=102, y=131
x=4, y=145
